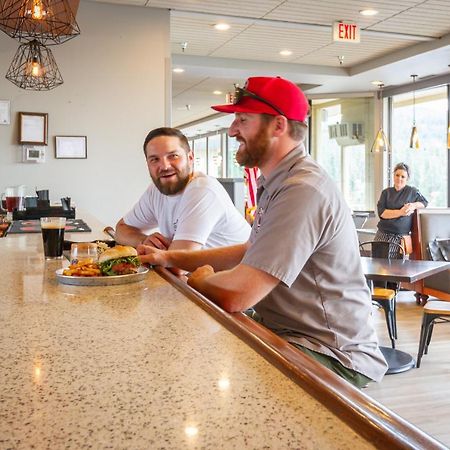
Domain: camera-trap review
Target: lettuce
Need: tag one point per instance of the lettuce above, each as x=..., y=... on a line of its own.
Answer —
x=106, y=267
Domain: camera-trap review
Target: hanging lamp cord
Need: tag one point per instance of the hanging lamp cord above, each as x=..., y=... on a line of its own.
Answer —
x=414, y=99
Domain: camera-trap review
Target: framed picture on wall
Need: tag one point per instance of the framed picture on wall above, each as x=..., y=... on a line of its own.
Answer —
x=33, y=128
x=71, y=147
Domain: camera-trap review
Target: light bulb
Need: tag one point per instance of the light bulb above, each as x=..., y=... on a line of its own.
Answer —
x=38, y=11
x=414, y=142
x=222, y=26
x=34, y=68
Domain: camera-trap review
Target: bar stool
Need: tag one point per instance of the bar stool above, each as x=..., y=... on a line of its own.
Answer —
x=434, y=311
x=384, y=294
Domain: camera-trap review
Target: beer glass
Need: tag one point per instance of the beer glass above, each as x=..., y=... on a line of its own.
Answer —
x=14, y=198
x=53, y=236
x=80, y=251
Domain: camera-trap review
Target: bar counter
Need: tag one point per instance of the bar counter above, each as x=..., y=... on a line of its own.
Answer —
x=140, y=366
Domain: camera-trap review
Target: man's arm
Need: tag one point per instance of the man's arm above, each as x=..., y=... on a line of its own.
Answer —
x=221, y=258
x=129, y=235
x=182, y=245
x=233, y=290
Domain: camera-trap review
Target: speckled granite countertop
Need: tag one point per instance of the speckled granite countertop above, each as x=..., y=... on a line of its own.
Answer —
x=137, y=366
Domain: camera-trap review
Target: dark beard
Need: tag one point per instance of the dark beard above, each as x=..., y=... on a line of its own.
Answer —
x=256, y=150
x=174, y=188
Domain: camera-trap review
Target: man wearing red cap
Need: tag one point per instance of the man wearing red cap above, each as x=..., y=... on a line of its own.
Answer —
x=300, y=269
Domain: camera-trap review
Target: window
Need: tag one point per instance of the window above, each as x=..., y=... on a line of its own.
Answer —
x=342, y=137
x=200, y=162
x=429, y=164
x=234, y=170
x=327, y=151
x=215, y=160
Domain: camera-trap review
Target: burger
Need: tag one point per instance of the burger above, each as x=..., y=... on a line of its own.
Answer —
x=119, y=260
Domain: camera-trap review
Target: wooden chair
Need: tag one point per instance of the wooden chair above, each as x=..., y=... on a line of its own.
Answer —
x=434, y=311
x=429, y=224
x=384, y=294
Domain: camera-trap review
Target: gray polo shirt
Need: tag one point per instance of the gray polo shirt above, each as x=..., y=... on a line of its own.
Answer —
x=303, y=234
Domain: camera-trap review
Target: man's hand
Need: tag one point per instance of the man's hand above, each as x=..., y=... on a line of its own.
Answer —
x=196, y=278
x=151, y=255
x=157, y=240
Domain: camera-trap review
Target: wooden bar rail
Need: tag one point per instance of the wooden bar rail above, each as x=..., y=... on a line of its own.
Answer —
x=382, y=427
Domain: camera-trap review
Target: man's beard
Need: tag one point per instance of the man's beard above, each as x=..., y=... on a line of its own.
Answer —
x=174, y=187
x=256, y=149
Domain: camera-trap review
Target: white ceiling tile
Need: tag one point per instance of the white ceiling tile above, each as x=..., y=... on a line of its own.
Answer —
x=260, y=29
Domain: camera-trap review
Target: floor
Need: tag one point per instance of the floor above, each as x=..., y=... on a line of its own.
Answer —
x=421, y=396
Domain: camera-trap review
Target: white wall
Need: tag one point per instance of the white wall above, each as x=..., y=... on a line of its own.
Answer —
x=115, y=90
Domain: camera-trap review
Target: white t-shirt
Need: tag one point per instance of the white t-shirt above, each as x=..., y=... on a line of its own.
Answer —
x=202, y=213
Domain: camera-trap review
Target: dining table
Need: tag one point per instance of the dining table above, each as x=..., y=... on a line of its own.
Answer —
x=153, y=364
x=399, y=270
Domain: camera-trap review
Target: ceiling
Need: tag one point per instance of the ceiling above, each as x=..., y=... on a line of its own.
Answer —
x=405, y=37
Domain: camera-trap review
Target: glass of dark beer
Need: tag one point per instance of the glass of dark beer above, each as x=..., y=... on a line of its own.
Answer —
x=53, y=236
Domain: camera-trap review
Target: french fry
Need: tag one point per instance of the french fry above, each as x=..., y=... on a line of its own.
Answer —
x=84, y=268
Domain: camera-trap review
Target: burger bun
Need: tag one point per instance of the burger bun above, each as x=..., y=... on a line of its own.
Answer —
x=119, y=251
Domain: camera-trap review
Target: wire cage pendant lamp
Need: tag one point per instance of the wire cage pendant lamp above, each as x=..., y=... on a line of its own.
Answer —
x=37, y=24
x=34, y=68
x=52, y=22
x=414, y=142
x=381, y=143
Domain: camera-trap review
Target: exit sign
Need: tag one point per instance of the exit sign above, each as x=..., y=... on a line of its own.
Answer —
x=345, y=32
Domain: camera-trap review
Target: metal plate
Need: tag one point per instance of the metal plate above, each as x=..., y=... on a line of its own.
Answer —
x=102, y=281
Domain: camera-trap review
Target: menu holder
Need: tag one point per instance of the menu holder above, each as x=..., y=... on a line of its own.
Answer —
x=34, y=226
x=37, y=213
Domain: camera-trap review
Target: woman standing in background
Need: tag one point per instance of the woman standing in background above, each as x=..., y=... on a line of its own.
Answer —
x=395, y=208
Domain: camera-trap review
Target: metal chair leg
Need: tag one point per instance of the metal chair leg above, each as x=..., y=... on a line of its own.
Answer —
x=389, y=307
x=394, y=316
x=425, y=335
x=430, y=332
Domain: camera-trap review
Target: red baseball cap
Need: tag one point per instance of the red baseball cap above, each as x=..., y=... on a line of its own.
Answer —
x=269, y=95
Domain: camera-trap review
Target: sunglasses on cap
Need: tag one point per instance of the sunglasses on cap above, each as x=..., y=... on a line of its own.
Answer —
x=239, y=93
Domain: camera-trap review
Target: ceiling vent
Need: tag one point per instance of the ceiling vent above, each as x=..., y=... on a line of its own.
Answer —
x=347, y=133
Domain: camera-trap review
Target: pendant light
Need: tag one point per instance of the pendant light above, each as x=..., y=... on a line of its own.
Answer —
x=381, y=143
x=414, y=139
x=50, y=21
x=34, y=68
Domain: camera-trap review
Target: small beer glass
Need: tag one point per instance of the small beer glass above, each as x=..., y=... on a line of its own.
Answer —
x=82, y=251
x=53, y=236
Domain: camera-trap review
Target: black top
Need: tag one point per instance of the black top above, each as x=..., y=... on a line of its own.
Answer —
x=393, y=199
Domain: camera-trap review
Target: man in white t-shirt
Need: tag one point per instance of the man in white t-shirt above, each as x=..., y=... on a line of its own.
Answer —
x=190, y=210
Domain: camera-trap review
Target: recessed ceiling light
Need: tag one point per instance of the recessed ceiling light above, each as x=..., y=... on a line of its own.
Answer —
x=368, y=12
x=376, y=82
x=222, y=26
x=178, y=70
x=217, y=92
x=286, y=53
